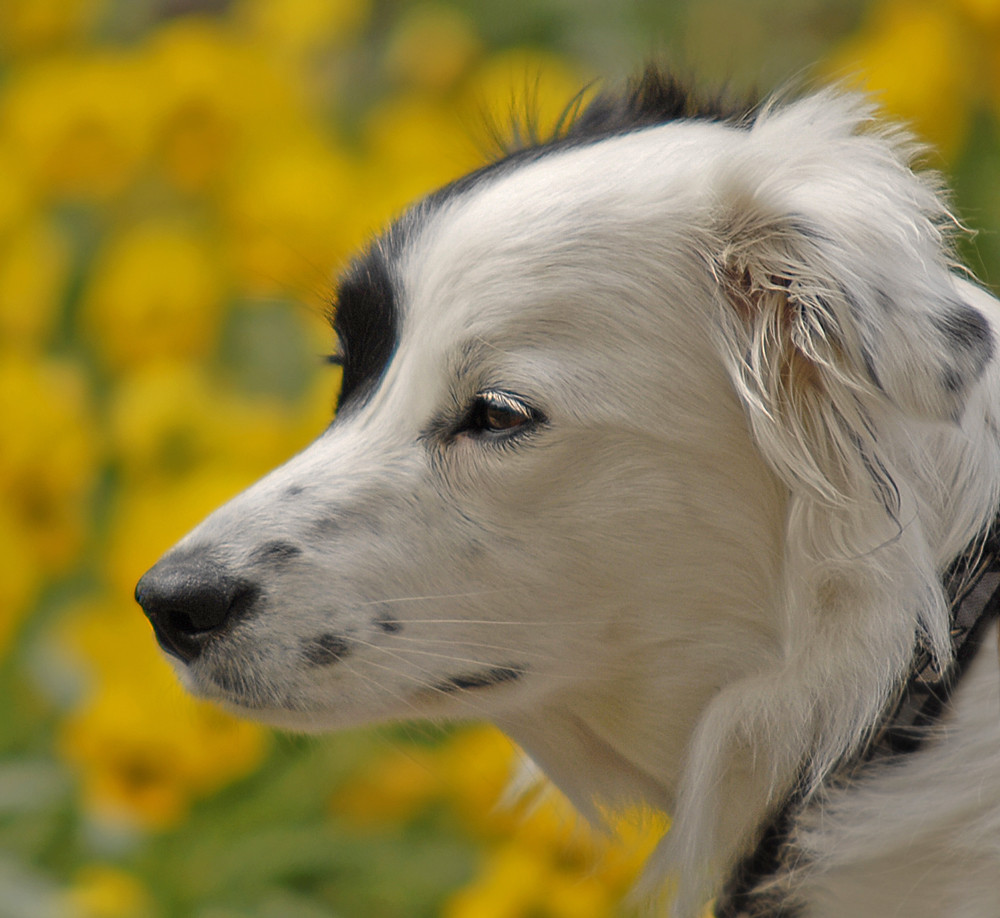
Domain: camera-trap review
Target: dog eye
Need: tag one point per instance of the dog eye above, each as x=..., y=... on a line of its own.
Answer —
x=498, y=413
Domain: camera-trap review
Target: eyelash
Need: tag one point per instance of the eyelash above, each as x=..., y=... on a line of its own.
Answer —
x=498, y=415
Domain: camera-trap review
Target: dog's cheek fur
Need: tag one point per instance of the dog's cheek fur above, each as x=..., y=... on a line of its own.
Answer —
x=823, y=355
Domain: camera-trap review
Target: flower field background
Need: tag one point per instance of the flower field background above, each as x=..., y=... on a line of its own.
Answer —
x=179, y=181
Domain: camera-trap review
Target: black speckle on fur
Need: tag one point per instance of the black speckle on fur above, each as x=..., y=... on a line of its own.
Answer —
x=325, y=649
x=277, y=551
x=388, y=625
x=968, y=332
x=338, y=521
x=953, y=381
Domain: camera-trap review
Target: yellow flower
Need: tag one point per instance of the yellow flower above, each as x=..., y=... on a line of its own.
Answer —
x=915, y=56
x=293, y=211
x=156, y=291
x=35, y=25
x=576, y=870
x=170, y=419
x=432, y=47
x=102, y=891
x=143, y=749
x=392, y=789
x=636, y=837
x=48, y=455
x=215, y=95
x=511, y=885
x=34, y=269
x=569, y=895
x=16, y=200
x=476, y=767
x=414, y=144
x=296, y=27
x=81, y=121
x=986, y=12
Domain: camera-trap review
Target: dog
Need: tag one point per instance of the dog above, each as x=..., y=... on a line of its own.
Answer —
x=670, y=445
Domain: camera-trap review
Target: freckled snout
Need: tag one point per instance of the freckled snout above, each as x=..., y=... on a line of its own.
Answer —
x=190, y=600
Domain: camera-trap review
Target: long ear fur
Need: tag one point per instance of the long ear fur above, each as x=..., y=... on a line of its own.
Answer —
x=841, y=325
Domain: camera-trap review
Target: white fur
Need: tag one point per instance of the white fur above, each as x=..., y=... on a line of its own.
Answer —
x=713, y=561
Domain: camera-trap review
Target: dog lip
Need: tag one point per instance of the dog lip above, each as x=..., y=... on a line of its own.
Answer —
x=168, y=646
x=487, y=678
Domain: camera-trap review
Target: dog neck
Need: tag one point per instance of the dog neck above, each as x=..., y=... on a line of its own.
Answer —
x=787, y=875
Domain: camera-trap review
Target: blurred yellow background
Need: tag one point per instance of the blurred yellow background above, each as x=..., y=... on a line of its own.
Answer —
x=179, y=182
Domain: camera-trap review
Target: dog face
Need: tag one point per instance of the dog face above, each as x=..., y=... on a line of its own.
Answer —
x=517, y=468
x=652, y=445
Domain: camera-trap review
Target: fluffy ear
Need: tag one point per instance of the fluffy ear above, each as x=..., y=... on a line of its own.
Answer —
x=835, y=265
x=841, y=323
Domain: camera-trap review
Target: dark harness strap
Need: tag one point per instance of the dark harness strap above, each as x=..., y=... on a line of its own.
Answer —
x=756, y=888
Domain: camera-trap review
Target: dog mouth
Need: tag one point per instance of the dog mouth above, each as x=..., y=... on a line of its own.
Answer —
x=478, y=679
x=244, y=689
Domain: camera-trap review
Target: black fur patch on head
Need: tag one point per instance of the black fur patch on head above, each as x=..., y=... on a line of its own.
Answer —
x=365, y=315
x=365, y=319
x=655, y=97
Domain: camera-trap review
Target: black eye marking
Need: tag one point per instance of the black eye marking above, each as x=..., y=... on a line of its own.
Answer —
x=365, y=321
x=495, y=414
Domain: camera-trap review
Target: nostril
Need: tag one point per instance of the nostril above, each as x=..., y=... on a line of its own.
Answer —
x=190, y=600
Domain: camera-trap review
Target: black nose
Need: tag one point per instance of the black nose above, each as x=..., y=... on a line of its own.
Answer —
x=189, y=600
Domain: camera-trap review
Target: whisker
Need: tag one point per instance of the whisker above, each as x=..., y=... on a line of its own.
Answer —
x=381, y=689
x=452, y=643
x=395, y=653
x=433, y=687
x=431, y=653
x=432, y=596
x=549, y=674
x=556, y=623
x=482, y=621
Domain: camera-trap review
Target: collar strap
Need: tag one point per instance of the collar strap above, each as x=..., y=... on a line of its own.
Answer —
x=973, y=587
x=760, y=885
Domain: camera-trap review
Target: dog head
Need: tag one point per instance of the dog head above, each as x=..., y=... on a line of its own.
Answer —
x=639, y=454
